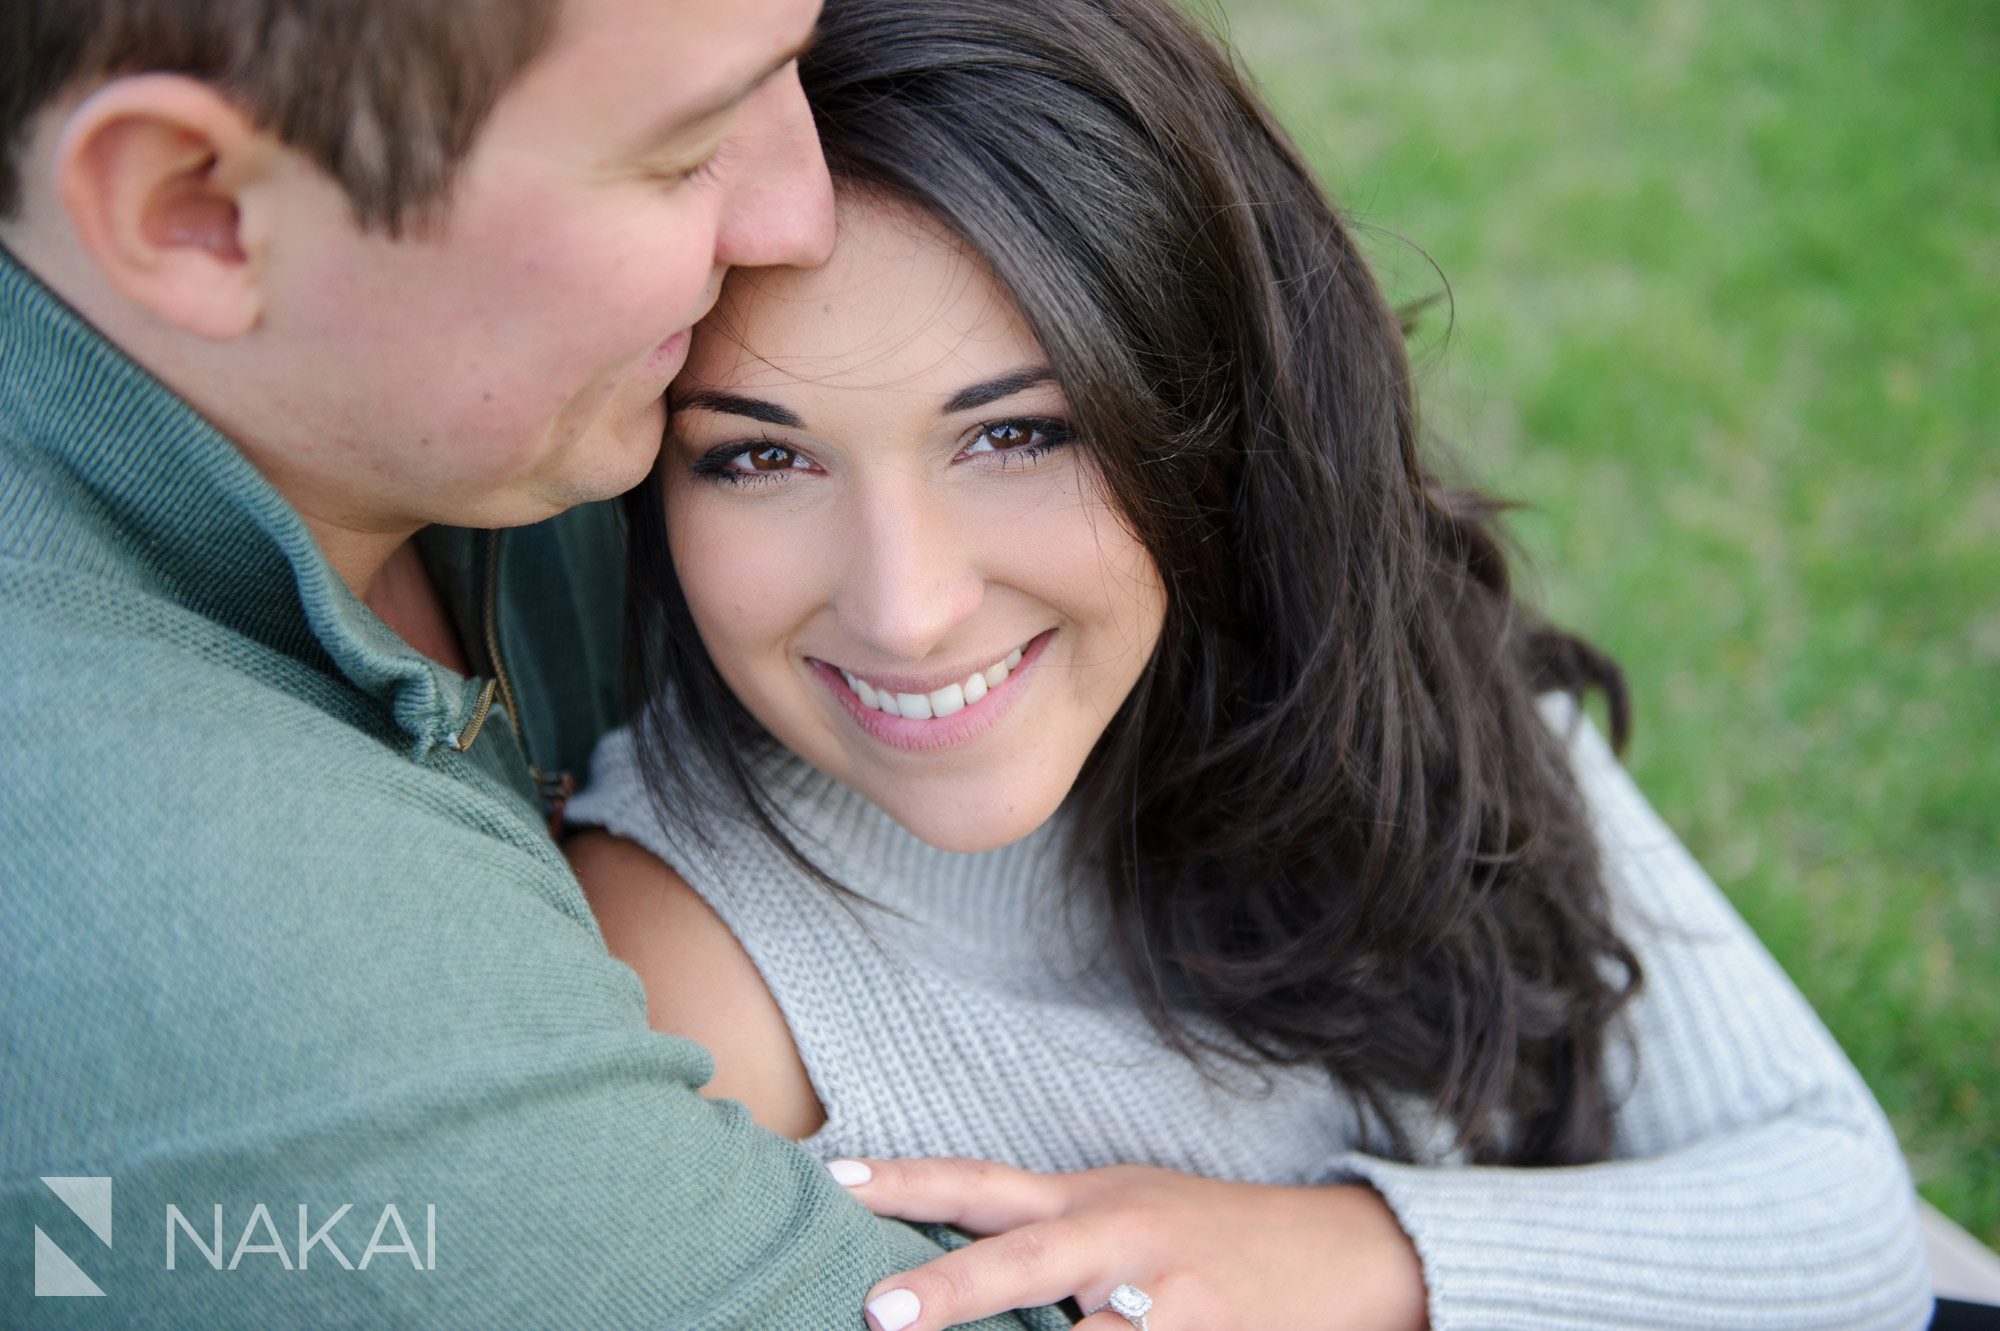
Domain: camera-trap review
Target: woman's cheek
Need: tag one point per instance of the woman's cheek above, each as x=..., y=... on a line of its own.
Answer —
x=748, y=568
x=1090, y=564
x=718, y=560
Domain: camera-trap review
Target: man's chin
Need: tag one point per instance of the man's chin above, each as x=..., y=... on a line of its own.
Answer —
x=601, y=463
x=620, y=460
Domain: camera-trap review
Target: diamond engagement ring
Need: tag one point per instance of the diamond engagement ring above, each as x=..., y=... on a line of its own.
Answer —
x=1129, y=1302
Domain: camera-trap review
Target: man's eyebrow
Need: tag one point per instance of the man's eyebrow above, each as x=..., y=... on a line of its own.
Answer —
x=727, y=99
x=992, y=390
x=730, y=404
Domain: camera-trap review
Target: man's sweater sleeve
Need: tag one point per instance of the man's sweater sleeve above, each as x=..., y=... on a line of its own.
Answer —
x=1755, y=1183
x=257, y=963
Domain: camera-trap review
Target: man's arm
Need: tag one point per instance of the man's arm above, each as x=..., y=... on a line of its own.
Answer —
x=258, y=957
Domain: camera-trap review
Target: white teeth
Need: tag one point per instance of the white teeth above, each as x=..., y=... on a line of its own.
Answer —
x=947, y=701
x=861, y=689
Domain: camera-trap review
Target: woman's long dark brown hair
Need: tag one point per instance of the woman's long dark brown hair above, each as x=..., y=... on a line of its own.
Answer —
x=1329, y=817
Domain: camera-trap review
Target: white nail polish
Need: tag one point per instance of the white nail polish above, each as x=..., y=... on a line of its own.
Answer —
x=849, y=1173
x=895, y=1310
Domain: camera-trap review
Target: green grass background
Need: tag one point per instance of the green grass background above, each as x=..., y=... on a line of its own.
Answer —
x=1727, y=314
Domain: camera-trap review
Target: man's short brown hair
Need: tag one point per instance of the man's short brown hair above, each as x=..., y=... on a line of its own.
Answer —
x=386, y=95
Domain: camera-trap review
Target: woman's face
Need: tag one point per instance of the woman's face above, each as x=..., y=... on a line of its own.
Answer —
x=897, y=556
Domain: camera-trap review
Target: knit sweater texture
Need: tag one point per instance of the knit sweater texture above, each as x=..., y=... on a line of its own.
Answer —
x=1753, y=1180
x=283, y=930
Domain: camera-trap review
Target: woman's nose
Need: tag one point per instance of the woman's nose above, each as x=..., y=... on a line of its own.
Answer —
x=911, y=575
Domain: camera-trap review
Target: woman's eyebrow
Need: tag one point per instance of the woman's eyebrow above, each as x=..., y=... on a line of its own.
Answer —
x=992, y=390
x=729, y=404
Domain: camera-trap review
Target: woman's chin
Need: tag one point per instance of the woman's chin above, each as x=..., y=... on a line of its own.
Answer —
x=967, y=831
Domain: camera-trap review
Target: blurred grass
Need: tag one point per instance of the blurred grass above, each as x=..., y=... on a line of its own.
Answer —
x=1727, y=290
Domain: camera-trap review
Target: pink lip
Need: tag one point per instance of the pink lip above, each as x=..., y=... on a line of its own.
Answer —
x=914, y=736
x=670, y=355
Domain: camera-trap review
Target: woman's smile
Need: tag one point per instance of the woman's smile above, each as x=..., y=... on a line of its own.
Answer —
x=900, y=711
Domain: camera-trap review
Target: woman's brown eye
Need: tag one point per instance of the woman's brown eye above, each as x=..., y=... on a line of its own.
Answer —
x=1017, y=436
x=750, y=460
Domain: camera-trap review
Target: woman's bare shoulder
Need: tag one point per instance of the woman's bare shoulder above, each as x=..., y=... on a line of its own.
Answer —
x=700, y=982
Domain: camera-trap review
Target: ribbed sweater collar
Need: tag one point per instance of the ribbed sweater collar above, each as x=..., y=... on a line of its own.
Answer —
x=103, y=469
x=1000, y=906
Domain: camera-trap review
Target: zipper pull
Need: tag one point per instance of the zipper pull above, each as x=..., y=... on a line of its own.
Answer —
x=462, y=738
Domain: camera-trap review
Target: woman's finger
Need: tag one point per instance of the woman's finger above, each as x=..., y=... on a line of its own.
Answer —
x=979, y=1196
x=1111, y=1321
x=1022, y=1268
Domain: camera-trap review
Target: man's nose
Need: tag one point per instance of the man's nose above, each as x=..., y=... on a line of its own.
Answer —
x=779, y=210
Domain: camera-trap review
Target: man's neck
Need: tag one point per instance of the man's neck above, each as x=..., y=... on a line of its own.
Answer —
x=358, y=556
x=389, y=575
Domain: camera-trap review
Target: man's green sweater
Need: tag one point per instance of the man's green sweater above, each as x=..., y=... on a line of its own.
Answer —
x=283, y=926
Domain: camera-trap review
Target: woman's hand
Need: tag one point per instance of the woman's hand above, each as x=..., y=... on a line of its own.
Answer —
x=1211, y=1255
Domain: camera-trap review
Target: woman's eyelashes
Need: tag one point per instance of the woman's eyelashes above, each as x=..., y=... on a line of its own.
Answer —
x=750, y=460
x=1016, y=441
x=1019, y=440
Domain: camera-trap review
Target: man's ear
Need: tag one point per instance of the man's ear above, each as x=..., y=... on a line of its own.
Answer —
x=153, y=171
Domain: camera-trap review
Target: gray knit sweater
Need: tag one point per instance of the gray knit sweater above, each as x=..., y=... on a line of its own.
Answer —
x=1754, y=1182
